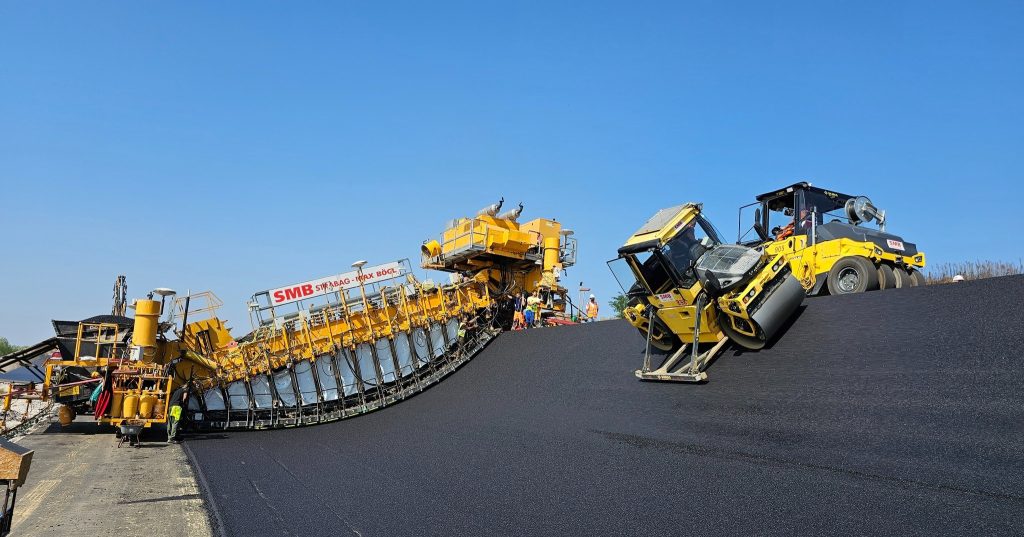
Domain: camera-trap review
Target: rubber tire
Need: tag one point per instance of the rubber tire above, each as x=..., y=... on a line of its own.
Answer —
x=886, y=277
x=902, y=278
x=866, y=272
x=916, y=279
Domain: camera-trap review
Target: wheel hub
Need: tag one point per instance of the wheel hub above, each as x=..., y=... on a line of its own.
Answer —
x=848, y=280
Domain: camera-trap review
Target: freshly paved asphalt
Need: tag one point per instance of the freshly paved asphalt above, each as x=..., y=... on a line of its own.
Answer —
x=895, y=412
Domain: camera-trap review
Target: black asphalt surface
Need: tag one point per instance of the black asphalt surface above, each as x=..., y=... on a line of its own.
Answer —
x=894, y=412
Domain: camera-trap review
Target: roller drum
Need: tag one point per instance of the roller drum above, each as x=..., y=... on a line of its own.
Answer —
x=770, y=315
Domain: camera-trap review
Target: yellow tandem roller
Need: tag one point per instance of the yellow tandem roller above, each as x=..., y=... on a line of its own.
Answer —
x=686, y=289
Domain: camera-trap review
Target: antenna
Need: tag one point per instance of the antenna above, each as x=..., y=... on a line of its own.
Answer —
x=120, y=294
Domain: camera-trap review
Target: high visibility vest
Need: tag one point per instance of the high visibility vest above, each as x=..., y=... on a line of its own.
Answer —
x=592, y=310
x=533, y=304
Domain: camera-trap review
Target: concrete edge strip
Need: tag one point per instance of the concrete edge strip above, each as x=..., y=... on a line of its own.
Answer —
x=213, y=513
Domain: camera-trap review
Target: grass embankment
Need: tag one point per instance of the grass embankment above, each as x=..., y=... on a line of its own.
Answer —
x=973, y=270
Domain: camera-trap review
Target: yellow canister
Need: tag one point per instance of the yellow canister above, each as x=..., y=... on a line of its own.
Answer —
x=147, y=316
x=146, y=405
x=116, y=402
x=131, y=405
x=551, y=250
x=147, y=319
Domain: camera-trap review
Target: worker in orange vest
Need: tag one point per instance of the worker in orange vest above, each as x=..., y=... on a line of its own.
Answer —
x=518, y=320
x=592, y=308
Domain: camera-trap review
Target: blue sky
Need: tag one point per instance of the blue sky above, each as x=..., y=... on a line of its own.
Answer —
x=241, y=146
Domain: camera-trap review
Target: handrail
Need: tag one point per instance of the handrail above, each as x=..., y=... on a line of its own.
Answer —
x=471, y=233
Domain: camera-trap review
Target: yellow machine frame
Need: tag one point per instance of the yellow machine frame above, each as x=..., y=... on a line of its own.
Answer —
x=818, y=257
x=186, y=344
x=346, y=324
x=128, y=377
x=511, y=258
x=679, y=308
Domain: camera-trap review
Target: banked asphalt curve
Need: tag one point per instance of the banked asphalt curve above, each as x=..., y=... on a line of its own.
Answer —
x=893, y=412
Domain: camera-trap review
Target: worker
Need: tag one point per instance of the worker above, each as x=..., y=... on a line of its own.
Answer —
x=592, y=308
x=785, y=232
x=802, y=223
x=518, y=320
x=807, y=220
x=465, y=324
x=532, y=310
x=179, y=398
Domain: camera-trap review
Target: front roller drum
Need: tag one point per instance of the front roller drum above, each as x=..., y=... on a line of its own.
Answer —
x=768, y=315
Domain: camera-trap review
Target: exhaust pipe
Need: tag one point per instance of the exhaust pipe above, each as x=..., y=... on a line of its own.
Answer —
x=511, y=214
x=492, y=209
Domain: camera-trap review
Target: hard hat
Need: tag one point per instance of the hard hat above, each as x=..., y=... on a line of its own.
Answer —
x=94, y=374
x=958, y=278
x=592, y=296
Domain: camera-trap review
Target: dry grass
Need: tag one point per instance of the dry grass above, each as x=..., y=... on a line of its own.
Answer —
x=972, y=270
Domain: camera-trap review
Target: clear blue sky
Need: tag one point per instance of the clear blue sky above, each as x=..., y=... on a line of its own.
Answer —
x=240, y=146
